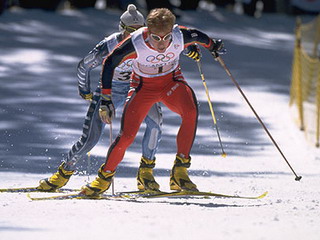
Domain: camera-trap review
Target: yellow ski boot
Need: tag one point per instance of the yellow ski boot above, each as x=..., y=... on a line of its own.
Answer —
x=145, y=178
x=99, y=185
x=56, y=181
x=179, y=179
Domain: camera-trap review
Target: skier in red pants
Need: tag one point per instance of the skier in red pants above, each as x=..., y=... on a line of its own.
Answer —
x=156, y=77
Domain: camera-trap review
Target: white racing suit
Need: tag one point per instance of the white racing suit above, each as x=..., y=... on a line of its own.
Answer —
x=93, y=126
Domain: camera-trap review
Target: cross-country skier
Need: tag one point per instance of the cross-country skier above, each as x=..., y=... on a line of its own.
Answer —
x=130, y=21
x=154, y=51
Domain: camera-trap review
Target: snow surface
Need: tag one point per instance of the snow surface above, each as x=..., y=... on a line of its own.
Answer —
x=41, y=117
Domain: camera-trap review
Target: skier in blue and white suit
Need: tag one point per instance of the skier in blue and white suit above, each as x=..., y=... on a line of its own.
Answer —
x=130, y=21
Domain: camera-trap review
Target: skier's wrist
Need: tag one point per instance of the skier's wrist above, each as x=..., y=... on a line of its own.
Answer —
x=217, y=47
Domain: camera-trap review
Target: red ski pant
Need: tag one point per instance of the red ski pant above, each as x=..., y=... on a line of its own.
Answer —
x=173, y=92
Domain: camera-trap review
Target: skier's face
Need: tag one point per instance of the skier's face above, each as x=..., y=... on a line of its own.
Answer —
x=160, y=40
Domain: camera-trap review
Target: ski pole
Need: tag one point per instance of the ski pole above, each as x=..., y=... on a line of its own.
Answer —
x=220, y=60
x=89, y=165
x=210, y=106
x=110, y=137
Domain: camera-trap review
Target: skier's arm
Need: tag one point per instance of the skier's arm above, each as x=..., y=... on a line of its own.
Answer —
x=123, y=51
x=192, y=36
x=92, y=60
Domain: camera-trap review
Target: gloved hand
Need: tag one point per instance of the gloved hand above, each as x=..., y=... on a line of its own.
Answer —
x=107, y=110
x=194, y=52
x=217, y=48
x=86, y=95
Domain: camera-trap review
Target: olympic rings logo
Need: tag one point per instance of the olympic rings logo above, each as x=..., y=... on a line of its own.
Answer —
x=126, y=65
x=160, y=58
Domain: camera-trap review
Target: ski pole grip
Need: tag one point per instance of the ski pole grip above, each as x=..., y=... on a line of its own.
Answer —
x=215, y=55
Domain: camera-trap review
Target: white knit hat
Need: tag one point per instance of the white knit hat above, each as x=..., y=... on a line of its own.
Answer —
x=131, y=17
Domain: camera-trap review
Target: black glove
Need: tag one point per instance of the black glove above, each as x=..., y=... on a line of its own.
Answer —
x=107, y=110
x=217, y=48
x=193, y=51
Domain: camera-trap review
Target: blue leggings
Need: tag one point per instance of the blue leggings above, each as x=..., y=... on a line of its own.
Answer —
x=93, y=127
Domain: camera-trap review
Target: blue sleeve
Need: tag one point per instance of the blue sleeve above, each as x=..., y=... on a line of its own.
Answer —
x=93, y=59
x=192, y=36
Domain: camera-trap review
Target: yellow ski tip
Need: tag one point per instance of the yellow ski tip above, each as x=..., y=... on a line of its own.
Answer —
x=224, y=155
x=263, y=195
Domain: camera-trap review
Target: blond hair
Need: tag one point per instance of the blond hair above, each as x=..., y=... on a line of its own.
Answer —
x=160, y=19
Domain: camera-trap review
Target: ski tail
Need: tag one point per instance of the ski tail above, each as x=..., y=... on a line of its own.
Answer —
x=33, y=189
x=58, y=197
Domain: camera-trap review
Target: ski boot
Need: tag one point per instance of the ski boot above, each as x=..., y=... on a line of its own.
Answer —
x=100, y=184
x=145, y=179
x=179, y=179
x=56, y=181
